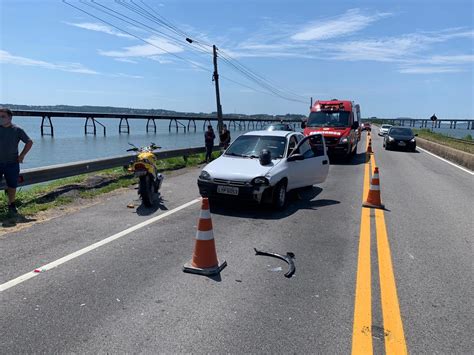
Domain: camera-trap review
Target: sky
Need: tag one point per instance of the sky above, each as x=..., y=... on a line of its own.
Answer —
x=395, y=58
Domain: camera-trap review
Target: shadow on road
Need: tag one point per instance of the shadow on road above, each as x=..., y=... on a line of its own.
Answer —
x=302, y=199
x=158, y=204
x=13, y=221
x=358, y=159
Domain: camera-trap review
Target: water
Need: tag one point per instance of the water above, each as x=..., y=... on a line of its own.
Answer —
x=69, y=143
x=461, y=130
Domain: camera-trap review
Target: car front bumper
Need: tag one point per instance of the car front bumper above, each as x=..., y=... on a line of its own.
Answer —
x=396, y=145
x=246, y=193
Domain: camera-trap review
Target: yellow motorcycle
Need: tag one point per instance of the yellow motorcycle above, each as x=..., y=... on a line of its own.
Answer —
x=145, y=168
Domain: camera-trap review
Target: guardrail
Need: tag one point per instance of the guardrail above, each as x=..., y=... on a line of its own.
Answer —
x=54, y=172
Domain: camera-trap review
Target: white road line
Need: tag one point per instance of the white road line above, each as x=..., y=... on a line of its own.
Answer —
x=447, y=161
x=91, y=247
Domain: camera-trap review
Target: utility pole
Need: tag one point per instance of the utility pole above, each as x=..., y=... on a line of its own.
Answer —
x=218, y=96
x=311, y=105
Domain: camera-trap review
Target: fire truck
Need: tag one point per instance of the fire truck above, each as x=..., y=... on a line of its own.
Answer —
x=338, y=122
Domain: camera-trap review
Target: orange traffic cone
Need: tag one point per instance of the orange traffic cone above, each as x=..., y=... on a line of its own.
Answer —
x=204, y=260
x=369, y=147
x=373, y=199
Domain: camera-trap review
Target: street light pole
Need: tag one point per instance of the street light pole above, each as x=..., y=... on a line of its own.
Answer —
x=218, y=97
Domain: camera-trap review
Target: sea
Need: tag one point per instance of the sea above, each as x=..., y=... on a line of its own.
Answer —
x=70, y=144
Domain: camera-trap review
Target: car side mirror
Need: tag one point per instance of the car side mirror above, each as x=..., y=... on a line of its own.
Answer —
x=295, y=157
x=303, y=124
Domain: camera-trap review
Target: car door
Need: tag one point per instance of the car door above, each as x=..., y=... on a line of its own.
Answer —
x=312, y=164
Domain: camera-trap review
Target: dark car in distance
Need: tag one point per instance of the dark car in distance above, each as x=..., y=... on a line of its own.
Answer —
x=401, y=138
x=279, y=127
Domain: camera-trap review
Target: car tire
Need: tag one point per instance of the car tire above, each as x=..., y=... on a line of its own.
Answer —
x=386, y=147
x=279, y=196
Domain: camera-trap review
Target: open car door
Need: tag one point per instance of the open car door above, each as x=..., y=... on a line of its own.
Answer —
x=311, y=163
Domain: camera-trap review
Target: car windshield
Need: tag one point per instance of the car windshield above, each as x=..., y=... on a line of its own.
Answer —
x=401, y=131
x=251, y=146
x=328, y=119
x=386, y=126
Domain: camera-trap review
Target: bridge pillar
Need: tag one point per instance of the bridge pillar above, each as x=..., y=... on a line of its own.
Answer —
x=124, y=127
x=152, y=120
x=177, y=125
x=49, y=125
x=194, y=123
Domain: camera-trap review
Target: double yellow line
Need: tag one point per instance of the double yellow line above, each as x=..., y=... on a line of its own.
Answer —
x=392, y=320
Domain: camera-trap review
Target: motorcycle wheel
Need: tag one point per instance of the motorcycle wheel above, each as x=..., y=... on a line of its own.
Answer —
x=146, y=190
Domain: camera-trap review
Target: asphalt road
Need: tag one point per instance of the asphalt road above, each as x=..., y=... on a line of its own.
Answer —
x=130, y=295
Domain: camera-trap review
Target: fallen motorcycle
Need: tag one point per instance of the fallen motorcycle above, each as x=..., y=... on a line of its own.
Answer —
x=145, y=168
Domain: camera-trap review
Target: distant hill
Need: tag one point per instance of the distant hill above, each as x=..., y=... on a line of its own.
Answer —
x=139, y=111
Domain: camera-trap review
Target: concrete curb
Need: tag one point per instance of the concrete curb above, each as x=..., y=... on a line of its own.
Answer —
x=456, y=156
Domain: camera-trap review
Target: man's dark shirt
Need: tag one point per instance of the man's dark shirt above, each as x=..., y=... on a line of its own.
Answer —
x=9, y=139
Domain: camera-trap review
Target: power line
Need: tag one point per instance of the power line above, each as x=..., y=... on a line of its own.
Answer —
x=139, y=38
x=250, y=75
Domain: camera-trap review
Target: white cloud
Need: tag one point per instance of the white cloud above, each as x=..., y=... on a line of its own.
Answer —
x=6, y=57
x=429, y=70
x=126, y=60
x=350, y=22
x=129, y=76
x=98, y=27
x=156, y=46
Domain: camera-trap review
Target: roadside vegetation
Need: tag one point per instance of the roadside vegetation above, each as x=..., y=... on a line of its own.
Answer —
x=31, y=200
x=467, y=146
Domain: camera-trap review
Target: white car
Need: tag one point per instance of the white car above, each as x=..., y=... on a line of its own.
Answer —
x=263, y=166
x=384, y=129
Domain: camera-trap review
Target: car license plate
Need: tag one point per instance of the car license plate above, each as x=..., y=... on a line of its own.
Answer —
x=228, y=190
x=402, y=144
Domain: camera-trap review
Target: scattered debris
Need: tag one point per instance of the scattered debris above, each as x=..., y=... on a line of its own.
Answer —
x=131, y=205
x=238, y=280
x=83, y=304
x=39, y=270
x=275, y=269
x=288, y=258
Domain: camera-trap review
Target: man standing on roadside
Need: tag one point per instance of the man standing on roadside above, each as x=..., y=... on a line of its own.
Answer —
x=10, y=160
x=224, y=137
x=209, y=137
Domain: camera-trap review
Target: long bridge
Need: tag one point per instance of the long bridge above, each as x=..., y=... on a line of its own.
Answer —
x=92, y=124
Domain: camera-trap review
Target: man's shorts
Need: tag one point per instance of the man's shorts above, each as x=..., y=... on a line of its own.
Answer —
x=11, y=172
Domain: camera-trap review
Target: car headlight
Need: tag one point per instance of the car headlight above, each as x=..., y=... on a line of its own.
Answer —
x=205, y=175
x=344, y=140
x=412, y=140
x=390, y=139
x=260, y=180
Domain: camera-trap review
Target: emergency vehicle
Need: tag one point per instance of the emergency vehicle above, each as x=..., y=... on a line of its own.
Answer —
x=338, y=122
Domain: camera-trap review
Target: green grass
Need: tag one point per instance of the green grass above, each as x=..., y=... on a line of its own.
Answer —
x=446, y=140
x=64, y=191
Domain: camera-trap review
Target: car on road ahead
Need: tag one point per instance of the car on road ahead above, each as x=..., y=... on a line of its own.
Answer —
x=384, y=129
x=365, y=126
x=279, y=127
x=262, y=166
x=400, y=137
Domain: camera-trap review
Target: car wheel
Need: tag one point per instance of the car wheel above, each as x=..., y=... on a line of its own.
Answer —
x=386, y=147
x=279, y=196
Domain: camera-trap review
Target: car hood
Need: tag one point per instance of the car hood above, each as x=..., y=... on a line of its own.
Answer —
x=401, y=137
x=239, y=169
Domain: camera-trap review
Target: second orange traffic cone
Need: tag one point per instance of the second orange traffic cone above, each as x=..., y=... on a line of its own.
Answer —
x=369, y=146
x=373, y=198
x=204, y=261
